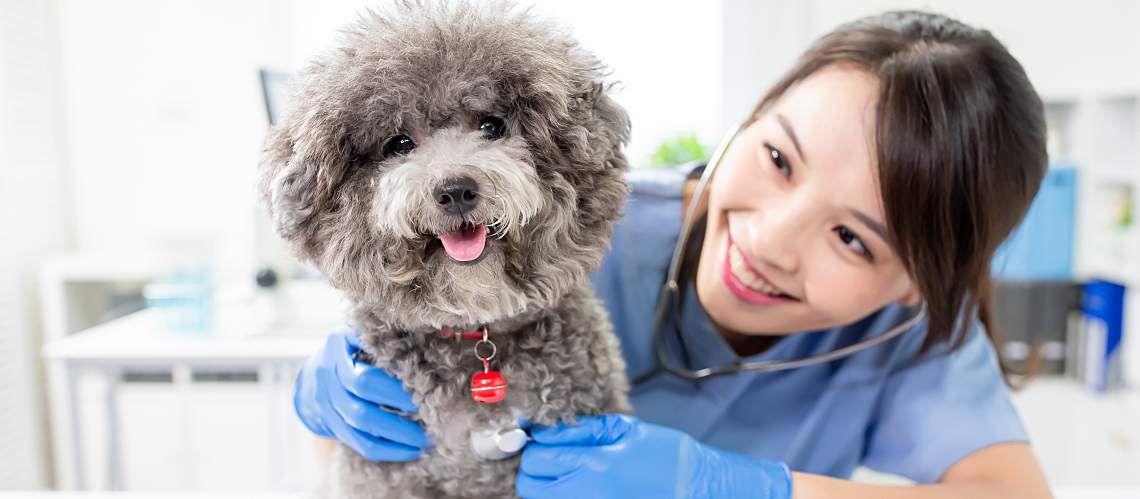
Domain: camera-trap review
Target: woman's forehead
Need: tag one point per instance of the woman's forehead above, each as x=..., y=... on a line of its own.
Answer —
x=832, y=115
x=832, y=110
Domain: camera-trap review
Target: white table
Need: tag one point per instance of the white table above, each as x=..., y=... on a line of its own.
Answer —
x=140, y=343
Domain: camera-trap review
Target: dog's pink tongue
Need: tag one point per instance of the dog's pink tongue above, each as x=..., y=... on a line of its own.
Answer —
x=465, y=244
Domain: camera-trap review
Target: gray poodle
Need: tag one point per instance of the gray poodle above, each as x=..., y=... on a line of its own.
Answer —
x=458, y=166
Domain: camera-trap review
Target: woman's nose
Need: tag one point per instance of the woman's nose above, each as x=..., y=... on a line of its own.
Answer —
x=775, y=237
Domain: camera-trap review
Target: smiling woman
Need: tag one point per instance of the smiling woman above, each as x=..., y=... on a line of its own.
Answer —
x=873, y=173
x=909, y=197
x=795, y=212
x=867, y=184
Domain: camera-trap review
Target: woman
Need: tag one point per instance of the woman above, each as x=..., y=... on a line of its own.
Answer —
x=873, y=181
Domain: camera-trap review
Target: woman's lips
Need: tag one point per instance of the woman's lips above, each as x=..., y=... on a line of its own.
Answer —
x=747, y=284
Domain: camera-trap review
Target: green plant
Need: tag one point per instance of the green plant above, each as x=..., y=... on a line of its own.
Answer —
x=680, y=149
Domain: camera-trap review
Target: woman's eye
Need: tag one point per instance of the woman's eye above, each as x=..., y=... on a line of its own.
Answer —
x=779, y=161
x=492, y=127
x=398, y=145
x=851, y=240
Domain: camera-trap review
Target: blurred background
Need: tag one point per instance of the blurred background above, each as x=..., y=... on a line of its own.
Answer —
x=151, y=326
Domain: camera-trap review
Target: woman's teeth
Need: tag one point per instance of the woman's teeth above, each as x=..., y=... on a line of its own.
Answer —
x=745, y=275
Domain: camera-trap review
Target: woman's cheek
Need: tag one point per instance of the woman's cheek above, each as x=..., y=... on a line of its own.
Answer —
x=843, y=294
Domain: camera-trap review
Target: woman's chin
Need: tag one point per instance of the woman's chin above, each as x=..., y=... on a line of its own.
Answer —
x=726, y=309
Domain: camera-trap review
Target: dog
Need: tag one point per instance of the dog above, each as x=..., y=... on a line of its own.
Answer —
x=451, y=167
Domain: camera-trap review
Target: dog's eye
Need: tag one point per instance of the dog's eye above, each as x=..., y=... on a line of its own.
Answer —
x=492, y=127
x=400, y=144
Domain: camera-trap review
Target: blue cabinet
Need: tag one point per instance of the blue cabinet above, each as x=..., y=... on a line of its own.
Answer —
x=1042, y=246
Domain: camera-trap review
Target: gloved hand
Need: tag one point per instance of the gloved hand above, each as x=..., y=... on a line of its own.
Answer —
x=338, y=396
x=622, y=457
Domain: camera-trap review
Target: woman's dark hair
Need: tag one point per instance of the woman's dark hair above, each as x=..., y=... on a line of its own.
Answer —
x=960, y=150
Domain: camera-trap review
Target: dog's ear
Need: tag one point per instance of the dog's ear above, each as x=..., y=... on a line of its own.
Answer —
x=298, y=176
x=610, y=121
x=601, y=129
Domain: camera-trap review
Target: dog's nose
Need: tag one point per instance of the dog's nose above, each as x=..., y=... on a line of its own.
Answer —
x=457, y=195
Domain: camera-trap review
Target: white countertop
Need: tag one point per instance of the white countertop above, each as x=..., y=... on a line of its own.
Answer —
x=287, y=324
x=140, y=338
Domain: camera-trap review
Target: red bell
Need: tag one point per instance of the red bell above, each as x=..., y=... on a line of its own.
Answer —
x=488, y=387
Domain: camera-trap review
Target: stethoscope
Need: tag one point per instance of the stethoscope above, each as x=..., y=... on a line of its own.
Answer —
x=672, y=294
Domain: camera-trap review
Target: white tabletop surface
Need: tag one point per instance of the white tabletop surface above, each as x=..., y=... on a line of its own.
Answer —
x=285, y=324
x=142, y=338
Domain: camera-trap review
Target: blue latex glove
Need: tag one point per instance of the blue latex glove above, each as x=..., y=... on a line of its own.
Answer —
x=338, y=396
x=623, y=457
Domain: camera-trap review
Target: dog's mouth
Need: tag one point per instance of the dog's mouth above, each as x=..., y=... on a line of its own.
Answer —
x=467, y=244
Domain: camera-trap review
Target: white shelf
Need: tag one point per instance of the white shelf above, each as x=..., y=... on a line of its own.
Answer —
x=1097, y=130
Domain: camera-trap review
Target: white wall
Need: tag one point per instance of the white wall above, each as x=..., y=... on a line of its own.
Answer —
x=1067, y=48
x=667, y=56
x=32, y=216
x=761, y=41
x=164, y=120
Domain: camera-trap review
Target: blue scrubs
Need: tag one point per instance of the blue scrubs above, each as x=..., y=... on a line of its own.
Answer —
x=879, y=408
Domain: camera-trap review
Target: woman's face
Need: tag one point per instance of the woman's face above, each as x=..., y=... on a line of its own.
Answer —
x=795, y=239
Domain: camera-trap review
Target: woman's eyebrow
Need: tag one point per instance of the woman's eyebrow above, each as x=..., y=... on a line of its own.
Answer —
x=787, y=126
x=871, y=223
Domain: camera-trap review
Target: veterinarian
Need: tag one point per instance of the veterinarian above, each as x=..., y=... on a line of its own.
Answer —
x=854, y=215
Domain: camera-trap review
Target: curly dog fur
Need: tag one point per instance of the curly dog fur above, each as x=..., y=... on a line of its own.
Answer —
x=351, y=179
